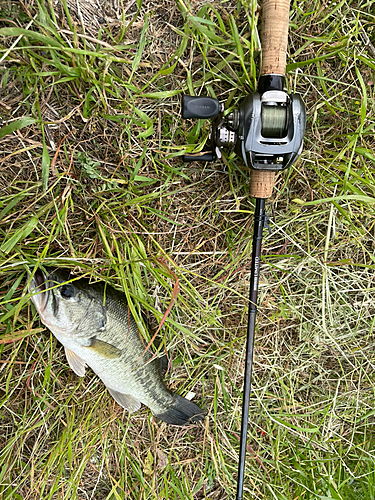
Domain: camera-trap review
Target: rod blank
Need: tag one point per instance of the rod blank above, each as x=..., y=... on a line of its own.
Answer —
x=259, y=221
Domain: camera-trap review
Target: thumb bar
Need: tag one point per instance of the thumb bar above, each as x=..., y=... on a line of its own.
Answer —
x=274, y=37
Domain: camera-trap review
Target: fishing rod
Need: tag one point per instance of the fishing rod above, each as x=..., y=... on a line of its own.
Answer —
x=266, y=132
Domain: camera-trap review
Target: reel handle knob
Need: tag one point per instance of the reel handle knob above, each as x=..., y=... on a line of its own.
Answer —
x=199, y=107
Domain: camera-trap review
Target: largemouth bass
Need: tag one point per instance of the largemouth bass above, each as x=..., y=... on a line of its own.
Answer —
x=95, y=325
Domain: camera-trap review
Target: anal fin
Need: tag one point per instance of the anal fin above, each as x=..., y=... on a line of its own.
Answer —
x=75, y=362
x=125, y=400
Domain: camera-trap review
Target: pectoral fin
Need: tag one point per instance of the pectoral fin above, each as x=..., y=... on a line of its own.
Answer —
x=104, y=349
x=125, y=400
x=75, y=362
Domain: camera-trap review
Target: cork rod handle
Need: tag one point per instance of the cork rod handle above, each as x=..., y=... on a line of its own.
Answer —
x=261, y=183
x=274, y=36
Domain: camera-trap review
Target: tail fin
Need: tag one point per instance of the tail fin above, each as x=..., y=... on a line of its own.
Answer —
x=181, y=412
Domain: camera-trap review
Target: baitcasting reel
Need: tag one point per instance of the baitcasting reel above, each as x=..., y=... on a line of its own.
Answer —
x=266, y=131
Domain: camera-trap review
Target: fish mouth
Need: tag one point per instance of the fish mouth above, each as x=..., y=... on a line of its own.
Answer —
x=39, y=289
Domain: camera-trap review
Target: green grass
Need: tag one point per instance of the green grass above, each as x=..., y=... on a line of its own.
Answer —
x=91, y=179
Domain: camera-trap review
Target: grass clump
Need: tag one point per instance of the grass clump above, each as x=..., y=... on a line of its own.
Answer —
x=91, y=180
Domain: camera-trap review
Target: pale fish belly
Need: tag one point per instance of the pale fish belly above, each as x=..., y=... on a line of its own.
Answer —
x=113, y=372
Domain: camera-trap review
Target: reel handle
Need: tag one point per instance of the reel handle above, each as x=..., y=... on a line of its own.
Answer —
x=274, y=38
x=208, y=156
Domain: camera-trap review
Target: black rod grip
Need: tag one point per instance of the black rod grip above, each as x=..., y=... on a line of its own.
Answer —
x=199, y=107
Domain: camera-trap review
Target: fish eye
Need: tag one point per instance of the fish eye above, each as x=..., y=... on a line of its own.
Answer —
x=67, y=291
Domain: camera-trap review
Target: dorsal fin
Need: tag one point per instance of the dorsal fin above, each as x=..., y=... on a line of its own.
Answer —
x=163, y=365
